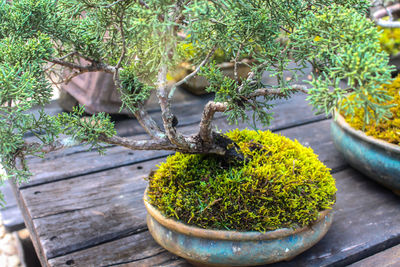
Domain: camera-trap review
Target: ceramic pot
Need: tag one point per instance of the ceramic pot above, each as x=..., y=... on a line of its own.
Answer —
x=393, y=10
x=376, y=158
x=204, y=247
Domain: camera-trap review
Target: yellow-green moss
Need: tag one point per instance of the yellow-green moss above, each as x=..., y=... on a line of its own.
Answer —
x=390, y=40
x=280, y=184
x=388, y=130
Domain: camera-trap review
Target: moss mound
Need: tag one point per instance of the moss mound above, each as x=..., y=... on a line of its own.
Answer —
x=280, y=184
x=388, y=130
x=390, y=40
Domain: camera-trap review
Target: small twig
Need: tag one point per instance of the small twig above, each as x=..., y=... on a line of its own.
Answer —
x=70, y=77
x=185, y=79
x=112, y=4
x=121, y=29
x=143, y=4
x=286, y=30
x=236, y=62
x=89, y=68
x=268, y=91
x=212, y=203
x=68, y=55
x=294, y=164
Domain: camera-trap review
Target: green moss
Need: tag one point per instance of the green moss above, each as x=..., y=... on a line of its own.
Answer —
x=390, y=40
x=388, y=130
x=280, y=184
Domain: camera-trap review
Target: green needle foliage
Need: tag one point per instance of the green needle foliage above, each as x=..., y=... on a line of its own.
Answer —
x=134, y=40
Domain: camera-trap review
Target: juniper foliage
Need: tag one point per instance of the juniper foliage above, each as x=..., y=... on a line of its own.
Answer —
x=137, y=40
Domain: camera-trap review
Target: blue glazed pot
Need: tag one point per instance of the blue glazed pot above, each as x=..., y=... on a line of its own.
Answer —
x=203, y=247
x=377, y=159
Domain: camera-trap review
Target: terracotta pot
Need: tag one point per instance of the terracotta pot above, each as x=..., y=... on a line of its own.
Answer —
x=204, y=247
x=376, y=158
x=95, y=90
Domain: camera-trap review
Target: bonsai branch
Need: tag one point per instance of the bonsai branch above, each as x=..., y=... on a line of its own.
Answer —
x=37, y=147
x=148, y=123
x=121, y=29
x=212, y=107
x=278, y=92
x=162, y=93
x=235, y=73
x=165, y=144
x=152, y=144
x=94, y=66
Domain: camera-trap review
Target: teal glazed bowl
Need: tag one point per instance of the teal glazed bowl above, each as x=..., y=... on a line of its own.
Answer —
x=203, y=247
x=377, y=159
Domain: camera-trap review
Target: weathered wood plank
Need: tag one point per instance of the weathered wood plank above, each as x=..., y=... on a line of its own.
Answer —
x=86, y=191
x=135, y=250
x=87, y=213
x=71, y=203
x=387, y=258
x=365, y=222
x=356, y=232
x=88, y=162
x=29, y=225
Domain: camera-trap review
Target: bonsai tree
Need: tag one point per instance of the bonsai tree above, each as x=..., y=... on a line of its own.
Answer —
x=140, y=41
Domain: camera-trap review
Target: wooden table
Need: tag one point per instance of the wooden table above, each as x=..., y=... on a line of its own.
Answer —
x=83, y=209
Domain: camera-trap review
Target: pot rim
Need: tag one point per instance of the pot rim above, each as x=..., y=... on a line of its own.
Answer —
x=194, y=231
x=340, y=120
x=382, y=12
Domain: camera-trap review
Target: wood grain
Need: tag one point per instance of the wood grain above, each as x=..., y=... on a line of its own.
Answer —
x=357, y=231
x=134, y=250
x=387, y=258
x=365, y=222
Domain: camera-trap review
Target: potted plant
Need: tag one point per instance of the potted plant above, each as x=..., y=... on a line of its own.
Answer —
x=236, y=68
x=373, y=147
x=242, y=189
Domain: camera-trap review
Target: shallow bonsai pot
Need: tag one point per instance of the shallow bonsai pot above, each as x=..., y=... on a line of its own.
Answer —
x=204, y=247
x=378, y=16
x=376, y=158
x=393, y=10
